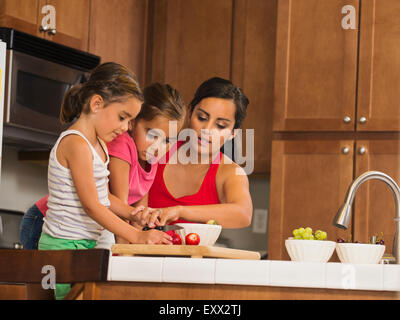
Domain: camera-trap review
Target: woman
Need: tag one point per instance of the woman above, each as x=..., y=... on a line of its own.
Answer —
x=216, y=189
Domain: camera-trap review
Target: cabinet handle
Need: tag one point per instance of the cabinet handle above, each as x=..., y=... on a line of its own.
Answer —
x=362, y=150
x=43, y=29
x=52, y=32
x=347, y=119
x=345, y=150
x=362, y=120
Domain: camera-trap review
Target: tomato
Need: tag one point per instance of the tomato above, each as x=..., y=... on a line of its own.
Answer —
x=192, y=239
x=176, y=238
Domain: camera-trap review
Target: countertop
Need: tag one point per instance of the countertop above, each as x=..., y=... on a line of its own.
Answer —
x=378, y=277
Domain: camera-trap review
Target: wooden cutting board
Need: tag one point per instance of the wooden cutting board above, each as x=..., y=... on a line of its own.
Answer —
x=183, y=250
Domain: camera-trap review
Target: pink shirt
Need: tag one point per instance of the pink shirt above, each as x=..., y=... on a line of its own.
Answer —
x=140, y=180
x=42, y=204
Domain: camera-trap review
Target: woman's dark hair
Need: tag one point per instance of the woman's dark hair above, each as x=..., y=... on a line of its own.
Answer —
x=224, y=89
x=161, y=100
x=112, y=81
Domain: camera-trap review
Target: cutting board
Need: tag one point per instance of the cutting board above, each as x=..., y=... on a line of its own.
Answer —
x=183, y=250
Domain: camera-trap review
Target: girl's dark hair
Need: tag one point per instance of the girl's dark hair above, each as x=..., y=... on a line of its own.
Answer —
x=161, y=100
x=112, y=81
x=224, y=89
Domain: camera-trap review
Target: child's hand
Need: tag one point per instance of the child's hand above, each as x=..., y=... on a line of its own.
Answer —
x=146, y=216
x=154, y=237
x=169, y=214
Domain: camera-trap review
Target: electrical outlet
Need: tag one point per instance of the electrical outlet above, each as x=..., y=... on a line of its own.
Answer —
x=260, y=217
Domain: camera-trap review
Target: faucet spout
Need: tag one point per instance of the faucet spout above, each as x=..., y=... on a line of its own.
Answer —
x=343, y=217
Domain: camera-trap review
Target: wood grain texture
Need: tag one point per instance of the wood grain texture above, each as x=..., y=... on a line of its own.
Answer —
x=184, y=250
x=172, y=291
x=72, y=23
x=309, y=180
x=118, y=32
x=25, y=266
x=316, y=67
x=379, y=66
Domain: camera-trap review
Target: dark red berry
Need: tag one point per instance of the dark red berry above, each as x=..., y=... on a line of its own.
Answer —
x=340, y=240
x=382, y=242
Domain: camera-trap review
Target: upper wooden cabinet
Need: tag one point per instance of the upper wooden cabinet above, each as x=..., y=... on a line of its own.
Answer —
x=192, y=42
x=316, y=67
x=72, y=23
x=72, y=20
x=379, y=66
x=118, y=32
x=316, y=83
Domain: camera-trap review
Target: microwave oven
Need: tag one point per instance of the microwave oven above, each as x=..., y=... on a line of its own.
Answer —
x=38, y=74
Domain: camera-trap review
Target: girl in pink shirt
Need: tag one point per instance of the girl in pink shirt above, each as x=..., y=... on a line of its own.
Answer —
x=133, y=159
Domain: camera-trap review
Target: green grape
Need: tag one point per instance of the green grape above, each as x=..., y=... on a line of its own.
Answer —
x=300, y=230
x=323, y=235
x=298, y=237
x=295, y=232
x=307, y=236
x=318, y=231
x=308, y=230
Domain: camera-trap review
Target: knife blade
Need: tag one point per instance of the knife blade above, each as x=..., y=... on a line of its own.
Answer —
x=164, y=228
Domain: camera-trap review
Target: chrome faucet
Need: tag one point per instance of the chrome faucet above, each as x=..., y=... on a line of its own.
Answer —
x=342, y=218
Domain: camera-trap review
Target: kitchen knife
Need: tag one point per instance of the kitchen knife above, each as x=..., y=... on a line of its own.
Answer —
x=164, y=228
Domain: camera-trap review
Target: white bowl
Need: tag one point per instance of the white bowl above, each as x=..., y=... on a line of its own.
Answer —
x=310, y=250
x=208, y=233
x=360, y=253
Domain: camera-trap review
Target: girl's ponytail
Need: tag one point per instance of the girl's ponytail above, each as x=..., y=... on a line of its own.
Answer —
x=71, y=106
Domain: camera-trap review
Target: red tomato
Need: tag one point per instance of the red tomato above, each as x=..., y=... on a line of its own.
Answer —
x=192, y=239
x=176, y=238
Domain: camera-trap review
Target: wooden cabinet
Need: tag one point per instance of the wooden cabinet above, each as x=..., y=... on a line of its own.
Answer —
x=374, y=209
x=72, y=23
x=322, y=76
x=309, y=179
x=309, y=182
x=118, y=32
x=317, y=87
x=379, y=66
x=316, y=67
x=72, y=19
x=192, y=41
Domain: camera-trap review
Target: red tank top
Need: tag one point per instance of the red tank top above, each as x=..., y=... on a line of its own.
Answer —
x=160, y=197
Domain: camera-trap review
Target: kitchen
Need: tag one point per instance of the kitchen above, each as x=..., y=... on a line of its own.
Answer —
x=313, y=134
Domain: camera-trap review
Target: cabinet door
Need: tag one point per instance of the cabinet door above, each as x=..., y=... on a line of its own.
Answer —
x=22, y=15
x=72, y=23
x=379, y=74
x=316, y=67
x=192, y=43
x=374, y=208
x=308, y=185
x=253, y=56
x=118, y=33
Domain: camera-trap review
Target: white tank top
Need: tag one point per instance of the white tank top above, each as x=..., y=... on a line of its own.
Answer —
x=65, y=217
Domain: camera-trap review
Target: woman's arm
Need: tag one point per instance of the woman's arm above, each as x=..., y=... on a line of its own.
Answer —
x=235, y=210
x=78, y=157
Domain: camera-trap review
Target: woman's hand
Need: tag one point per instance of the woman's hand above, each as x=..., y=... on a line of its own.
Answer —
x=169, y=214
x=145, y=216
x=154, y=237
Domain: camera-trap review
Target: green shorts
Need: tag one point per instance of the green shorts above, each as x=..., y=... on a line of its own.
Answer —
x=47, y=242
